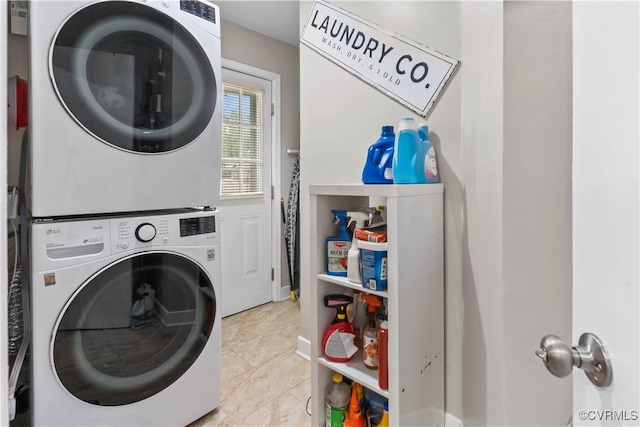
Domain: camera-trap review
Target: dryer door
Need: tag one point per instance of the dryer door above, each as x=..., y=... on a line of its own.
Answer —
x=133, y=77
x=134, y=328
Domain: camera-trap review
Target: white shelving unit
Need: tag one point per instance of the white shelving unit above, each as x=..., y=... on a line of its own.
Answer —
x=414, y=299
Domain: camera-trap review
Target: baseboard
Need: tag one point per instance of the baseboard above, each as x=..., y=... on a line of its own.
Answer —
x=174, y=318
x=303, y=348
x=451, y=421
x=285, y=292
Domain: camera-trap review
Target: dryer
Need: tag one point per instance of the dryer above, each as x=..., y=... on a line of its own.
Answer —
x=95, y=364
x=125, y=106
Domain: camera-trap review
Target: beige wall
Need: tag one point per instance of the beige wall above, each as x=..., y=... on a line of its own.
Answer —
x=505, y=231
x=243, y=45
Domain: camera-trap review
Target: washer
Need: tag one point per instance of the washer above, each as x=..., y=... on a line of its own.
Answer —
x=125, y=106
x=97, y=358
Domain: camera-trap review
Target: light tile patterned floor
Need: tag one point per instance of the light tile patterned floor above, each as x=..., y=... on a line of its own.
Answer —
x=264, y=382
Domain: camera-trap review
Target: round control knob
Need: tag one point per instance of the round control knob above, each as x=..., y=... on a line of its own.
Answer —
x=145, y=232
x=124, y=245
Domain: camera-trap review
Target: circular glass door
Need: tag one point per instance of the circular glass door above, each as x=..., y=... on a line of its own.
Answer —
x=133, y=77
x=133, y=329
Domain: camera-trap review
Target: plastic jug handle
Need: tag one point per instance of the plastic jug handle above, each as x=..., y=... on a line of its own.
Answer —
x=377, y=154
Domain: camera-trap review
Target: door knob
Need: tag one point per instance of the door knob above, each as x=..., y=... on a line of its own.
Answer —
x=590, y=355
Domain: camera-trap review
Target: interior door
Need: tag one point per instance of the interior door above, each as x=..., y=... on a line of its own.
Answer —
x=605, y=205
x=245, y=199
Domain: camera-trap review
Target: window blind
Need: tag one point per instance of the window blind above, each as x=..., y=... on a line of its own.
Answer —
x=242, y=161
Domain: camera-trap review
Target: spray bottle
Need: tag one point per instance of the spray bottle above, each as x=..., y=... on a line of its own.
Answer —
x=337, y=342
x=338, y=246
x=353, y=260
x=370, y=333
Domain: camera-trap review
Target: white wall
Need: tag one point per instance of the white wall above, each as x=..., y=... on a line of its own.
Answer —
x=496, y=232
x=243, y=45
x=478, y=231
x=340, y=116
x=537, y=205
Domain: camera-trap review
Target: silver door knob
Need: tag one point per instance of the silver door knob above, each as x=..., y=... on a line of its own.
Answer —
x=590, y=355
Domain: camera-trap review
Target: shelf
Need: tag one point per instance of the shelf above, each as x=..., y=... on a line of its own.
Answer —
x=356, y=370
x=343, y=281
x=376, y=190
x=414, y=299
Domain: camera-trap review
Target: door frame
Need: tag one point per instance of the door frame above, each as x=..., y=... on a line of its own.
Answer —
x=276, y=217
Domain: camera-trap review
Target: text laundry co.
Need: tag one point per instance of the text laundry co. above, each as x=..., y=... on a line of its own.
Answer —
x=357, y=40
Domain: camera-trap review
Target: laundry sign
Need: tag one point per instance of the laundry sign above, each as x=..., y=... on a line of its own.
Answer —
x=407, y=71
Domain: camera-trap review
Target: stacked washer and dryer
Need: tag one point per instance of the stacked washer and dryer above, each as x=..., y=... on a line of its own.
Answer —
x=124, y=239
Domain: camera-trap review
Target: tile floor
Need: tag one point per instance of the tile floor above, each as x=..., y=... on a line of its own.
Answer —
x=264, y=382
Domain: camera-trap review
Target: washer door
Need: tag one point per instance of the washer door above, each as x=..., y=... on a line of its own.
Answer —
x=133, y=328
x=133, y=77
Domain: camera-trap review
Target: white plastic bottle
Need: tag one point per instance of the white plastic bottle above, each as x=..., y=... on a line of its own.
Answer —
x=353, y=256
x=337, y=398
x=149, y=302
x=137, y=314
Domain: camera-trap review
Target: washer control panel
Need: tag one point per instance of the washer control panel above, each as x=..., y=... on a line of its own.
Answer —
x=176, y=229
x=198, y=225
x=199, y=9
x=145, y=232
x=64, y=242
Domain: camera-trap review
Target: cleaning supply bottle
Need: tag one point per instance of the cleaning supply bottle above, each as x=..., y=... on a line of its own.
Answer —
x=377, y=167
x=370, y=333
x=351, y=309
x=430, y=162
x=137, y=313
x=355, y=417
x=408, y=154
x=383, y=355
x=336, y=402
x=362, y=399
x=384, y=422
x=361, y=317
x=149, y=303
x=338, y=246
x=337, y=343
x=353, y=256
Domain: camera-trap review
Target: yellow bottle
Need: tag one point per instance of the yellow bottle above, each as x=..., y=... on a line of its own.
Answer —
x=384, y=422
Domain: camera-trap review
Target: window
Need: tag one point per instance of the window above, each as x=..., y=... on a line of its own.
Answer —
x=242, y=163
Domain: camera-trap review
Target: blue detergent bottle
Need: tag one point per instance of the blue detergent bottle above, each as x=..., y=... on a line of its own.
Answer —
x=430, y=162
x=408, y=154
x=377, y=168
